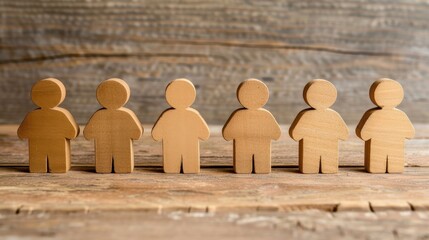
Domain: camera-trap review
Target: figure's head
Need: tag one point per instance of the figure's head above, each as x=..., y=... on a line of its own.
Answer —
x=253, y=94
x=180, y=93
x=386, y=93
x=48, y=93
x=320, y=94
x=113, y=93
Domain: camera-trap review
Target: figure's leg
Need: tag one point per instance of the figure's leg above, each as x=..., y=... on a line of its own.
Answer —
x=59, y=156
x=123, y=158
x=376, y=158
x=243, y=157
x=103, y=157
x=309, y=159
x=172, y=158
x=37, y=157
x=329, y=158
x=191, y=158
x=395, y=159
x=262, y=157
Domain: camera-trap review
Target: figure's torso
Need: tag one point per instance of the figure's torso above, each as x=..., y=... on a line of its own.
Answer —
x=181, y=126
x=252, y=125
x=320, y=125
x=47, y=124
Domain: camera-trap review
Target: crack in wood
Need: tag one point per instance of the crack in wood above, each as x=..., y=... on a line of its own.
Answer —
x=208, y=43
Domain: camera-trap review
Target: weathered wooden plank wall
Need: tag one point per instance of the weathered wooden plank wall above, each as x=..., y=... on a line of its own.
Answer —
x=216, y=44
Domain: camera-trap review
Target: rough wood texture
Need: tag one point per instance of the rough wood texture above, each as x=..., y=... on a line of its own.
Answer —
x=216, y=188
x=213, y=190
x=216, y=44
x=215, y=203
x=184, y=226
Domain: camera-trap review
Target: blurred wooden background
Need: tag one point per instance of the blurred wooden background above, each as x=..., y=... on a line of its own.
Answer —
x=216, y=44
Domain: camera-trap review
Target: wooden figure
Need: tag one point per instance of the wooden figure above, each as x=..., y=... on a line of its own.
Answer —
x=49, y=128
x=113, y=128
x=252, y=128
x=384, y=128
x=318, y=129
x=180, y=128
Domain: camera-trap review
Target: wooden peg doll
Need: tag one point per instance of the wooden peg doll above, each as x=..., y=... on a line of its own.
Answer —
x=113, y=128
x=252, y=128
x=318, y=129
x=180, y=128
x=49, y=128
x=384, y=128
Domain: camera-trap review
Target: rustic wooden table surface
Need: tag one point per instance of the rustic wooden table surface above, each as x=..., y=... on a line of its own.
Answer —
x=215, y=203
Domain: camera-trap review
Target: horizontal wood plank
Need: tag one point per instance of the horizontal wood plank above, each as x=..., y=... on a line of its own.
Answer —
x=213, y=190
x=216, y=44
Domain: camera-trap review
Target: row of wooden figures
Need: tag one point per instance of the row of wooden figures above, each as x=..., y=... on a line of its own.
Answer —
x=49, y=129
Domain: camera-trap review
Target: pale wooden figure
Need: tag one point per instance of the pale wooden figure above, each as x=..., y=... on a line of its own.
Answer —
x=113, y=128
x=385, y=128
x=318, y=129
x=252, y=128
x=49, y=128
x=180, y=128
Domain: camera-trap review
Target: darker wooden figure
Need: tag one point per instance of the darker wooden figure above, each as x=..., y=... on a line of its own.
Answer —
x=252, y=128
x=385, y=128
x=318, y=129
x=180, y=128
x=113, y=128
x=49, y=129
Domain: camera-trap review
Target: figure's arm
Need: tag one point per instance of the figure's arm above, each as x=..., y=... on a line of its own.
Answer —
x=23, y=130
x=410, y=132
x=295, y=130
x=274, y=127
x=137, y=129
x=227, y=130
x=89, y=131
x=362, y=128
x=203, y=128
x=157, y=129
x=72, y=128
x=343, y=130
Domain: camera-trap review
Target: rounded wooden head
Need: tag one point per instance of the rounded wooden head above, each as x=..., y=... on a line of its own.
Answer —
x=180, y=93
x=320, y=94
x=386, y=93
x=48, y=93
x=113, y=93
x=253, y=94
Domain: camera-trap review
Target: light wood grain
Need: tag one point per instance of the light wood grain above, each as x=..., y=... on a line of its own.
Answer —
x=252, y=128
x=48, y=129
x=318, y=129
x=215, y=151
x=180, y=129
x=385, y=128
x=113, y=128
